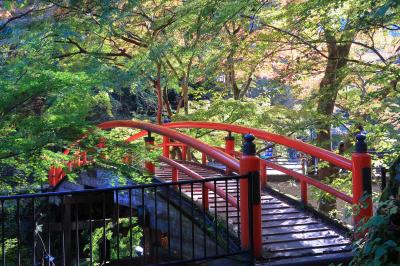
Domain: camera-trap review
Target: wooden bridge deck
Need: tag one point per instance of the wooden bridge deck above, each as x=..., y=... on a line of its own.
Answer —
x=290, y=233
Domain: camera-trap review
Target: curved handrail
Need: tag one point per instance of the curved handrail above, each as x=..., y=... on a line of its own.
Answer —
x=264, y=135
x=218, y=155
x=302, y=177
x=310, y=181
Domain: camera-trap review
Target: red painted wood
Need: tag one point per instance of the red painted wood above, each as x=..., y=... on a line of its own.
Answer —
x=205, y=198
x=360, y=161
x=263, y=173
x=184, y=152
x=249, y=164
x=220, y=192
x=264, y=135
x=229, y=149
x=175, y=174
x=149, y=166
x=310, y=181
x=165, y=146
x=304, y=196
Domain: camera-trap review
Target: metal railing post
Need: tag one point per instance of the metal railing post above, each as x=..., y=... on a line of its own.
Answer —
x=250, y=165
x=362, y=185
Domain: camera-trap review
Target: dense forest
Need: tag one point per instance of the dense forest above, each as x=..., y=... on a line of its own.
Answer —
x=318, y=70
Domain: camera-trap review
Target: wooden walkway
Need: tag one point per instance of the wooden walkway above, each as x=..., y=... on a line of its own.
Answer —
x=290, y=234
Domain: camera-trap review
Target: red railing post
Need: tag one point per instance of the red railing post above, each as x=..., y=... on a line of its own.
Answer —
x=362, y=186
x=263, y=173
x=304, y=196
x=303, y=184
x=229, y=148
x=203, y=158
x=84, y=157
x=52, y=176
x=165, y=146
x=175, y=174
x=184, y=152
x=69, y=166
x=250, y=165
x=149, y=144
x=205, y=197
x=78, y=159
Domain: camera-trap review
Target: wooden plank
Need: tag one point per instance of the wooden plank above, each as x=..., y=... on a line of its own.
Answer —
x=276, y=207
x=300, y=236
x=279, y=211
x=307, y=244
x=289, y=223
x=309, y=251
x=294, y=229
x=286, y=217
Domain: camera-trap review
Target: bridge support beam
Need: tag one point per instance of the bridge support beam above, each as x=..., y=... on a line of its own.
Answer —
x=362, y=185
x=250, y=198
x=229, y=148
x=149, y=144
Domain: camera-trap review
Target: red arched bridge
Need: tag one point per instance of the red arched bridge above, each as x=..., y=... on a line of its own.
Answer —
x=274, y=227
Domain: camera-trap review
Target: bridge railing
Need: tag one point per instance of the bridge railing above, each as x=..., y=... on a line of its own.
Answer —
x=250, y=164
x=135, y=225
x=359, y=165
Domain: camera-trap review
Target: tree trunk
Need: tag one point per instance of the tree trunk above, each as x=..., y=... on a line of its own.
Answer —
x=185, y=95
x=231, y=79
x=157, y=87
x=328, y=91
x=166, y=102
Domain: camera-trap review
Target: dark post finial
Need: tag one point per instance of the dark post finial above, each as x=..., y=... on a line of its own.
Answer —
x=149, y=138
x=229, y=137
x=249, y=148
x=361, y=145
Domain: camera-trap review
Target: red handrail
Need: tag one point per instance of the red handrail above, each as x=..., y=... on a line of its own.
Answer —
x=220, y=192
x=329, y=156
x=302, y=177
x=216, y=153
x=310, y=181
x=188, y=140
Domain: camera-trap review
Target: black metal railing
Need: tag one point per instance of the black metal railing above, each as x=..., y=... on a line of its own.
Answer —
x=159, y=223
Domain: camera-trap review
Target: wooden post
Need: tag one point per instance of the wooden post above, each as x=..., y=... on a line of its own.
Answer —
x=362, y=185
x=304, y=196
x=175, y=174
x=229, y=148
x=52, y=176
x=206, y=204
x=165, y=146
x=184, y=152
x=149, y=144
x=263, y=173
x=250, y=165
x=84, y=157
x=303, y=184
x=204, y=158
